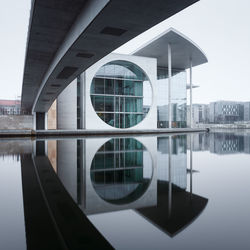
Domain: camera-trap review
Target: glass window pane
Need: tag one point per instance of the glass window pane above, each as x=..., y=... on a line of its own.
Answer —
x=109, y=103
x=99, y=103
x=109, y=86
x=139, y=105
x=117, y=99
x=117, y=122
x=109, y=119
x=99, y=86
x=130, y=103
x=122, y=121
x=122, y=104
x=138, y=88
x=119, y=87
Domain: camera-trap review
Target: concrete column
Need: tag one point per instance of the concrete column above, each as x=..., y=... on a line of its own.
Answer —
x=34, y=120
x=169, y=176
x=46, y=121
x=40, y=120
x=191, y=164
x=67, y=107
x=191, y=94
x=83, y=100
x=169, y=85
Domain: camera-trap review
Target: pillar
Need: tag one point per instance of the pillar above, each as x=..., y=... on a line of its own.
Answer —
x=169, y=175
x=40, y=120
x=191, y=164
x=191, y=95
x=169, y=85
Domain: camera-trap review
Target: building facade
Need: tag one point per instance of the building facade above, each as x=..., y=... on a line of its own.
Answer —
x=10, y=107
x=140, y=91
x=226, y=112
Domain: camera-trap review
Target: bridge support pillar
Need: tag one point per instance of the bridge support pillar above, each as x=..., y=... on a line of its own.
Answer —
x=40, y=120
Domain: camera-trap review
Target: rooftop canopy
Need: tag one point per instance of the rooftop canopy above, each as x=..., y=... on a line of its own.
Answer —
x=183, y=50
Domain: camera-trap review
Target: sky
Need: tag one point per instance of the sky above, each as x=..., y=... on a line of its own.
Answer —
x=219, y=27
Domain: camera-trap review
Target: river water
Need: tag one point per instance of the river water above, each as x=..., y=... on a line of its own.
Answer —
x=187, y=191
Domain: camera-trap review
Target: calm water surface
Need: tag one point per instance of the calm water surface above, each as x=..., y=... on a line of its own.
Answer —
x=168, y=192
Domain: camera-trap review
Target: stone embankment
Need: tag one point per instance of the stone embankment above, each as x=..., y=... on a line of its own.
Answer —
x=23, y=122
x=224, y=126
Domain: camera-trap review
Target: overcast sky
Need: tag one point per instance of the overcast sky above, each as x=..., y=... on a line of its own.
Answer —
x=219, y=27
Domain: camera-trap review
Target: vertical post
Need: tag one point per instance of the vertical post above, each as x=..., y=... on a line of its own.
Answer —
x=83, y=100
x=169, y=176
x=169, y=85
x=191, y=164
x=40, y=120
x=191, y=95
x=34, y=120
x=46, y=120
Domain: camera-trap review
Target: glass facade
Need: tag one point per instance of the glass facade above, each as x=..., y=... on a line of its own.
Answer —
x=178, y=98
x=117, y=94
x=118, y=172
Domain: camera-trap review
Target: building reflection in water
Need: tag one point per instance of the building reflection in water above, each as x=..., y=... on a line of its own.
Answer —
x=222, y=143
x=147, y=174
x=176, y=207
x=153, y=176
x=119, y=172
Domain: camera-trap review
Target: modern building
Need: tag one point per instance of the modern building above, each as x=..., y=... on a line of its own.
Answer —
x=246, y=111
x=226, y=112
x=145, y=90
x=200, y=113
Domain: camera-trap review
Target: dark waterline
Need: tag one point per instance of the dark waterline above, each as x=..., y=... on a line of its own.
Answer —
x=178, y=192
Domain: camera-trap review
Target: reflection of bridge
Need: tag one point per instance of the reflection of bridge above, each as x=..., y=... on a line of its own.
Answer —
x=52, y=219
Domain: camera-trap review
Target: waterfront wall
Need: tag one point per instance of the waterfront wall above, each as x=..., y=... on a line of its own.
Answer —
x=16, y=122
x=224, y=126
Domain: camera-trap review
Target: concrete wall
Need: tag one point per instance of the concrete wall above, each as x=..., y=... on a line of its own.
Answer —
x=16, y=122
x=67, y=107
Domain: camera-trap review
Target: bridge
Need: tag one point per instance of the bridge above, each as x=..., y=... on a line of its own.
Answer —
x=66, y=37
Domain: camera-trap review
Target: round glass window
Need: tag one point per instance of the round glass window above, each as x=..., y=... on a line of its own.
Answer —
x=121, y=170
x=121, y=94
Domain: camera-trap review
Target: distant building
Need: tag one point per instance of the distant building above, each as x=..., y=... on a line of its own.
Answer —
x=226, y=112
x=10, y=107
x=200, y=113
x=247, y=111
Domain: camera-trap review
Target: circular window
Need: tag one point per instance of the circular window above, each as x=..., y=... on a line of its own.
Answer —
x=121, y=94
x=121, y=170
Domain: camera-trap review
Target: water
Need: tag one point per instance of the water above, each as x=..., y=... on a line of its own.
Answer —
x=179, y=192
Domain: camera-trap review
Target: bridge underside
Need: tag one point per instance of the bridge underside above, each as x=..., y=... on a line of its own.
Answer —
x=66, y=37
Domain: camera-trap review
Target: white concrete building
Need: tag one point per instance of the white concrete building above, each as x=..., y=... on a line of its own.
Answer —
x=143, y=91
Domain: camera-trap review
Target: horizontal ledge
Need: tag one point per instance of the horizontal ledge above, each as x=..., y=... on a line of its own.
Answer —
x=81, y=132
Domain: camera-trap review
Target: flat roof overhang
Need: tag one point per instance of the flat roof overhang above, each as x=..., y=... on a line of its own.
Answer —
x=66, y=37
x=183, y=50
